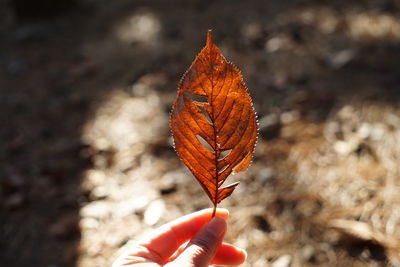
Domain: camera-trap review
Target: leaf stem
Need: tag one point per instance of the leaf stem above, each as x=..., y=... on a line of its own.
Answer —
x=214, y=210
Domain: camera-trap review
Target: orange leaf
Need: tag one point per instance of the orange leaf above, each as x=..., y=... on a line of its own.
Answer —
x=213, y=122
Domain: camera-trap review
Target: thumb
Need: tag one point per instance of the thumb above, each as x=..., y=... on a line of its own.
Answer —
x=203, y=246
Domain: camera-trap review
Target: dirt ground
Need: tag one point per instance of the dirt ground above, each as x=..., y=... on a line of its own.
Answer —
x=86, y=162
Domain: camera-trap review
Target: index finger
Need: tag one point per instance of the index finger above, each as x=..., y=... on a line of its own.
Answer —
x=165, y=240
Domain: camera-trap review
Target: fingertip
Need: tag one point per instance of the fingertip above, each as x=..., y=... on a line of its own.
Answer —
x=221, y=212
x=228, y=254
x=216, y=226
x=202, y=247
x=242, y=254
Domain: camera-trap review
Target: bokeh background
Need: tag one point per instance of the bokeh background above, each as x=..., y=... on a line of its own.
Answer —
x=86, y=162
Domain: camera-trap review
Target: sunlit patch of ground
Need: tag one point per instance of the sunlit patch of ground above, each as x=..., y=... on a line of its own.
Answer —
x=315, y=194
x=359, y=25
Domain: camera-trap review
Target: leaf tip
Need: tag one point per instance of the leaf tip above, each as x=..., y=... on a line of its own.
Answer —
x=209, y=42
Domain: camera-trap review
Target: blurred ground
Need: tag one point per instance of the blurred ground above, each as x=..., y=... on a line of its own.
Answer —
x=85, y=150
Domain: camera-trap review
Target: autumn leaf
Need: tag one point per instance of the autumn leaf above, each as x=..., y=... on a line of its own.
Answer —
x=213, y=122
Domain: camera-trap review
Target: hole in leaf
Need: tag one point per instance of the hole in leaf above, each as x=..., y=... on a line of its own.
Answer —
x=204, y=143
x=205, y=113
x=197, y=98
x=224, y=154
x=223, y=168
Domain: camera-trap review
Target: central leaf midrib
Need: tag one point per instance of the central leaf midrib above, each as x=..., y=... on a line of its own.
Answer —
x=216, y=148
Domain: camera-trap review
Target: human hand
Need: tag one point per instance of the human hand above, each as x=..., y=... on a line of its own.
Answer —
x=166, y=246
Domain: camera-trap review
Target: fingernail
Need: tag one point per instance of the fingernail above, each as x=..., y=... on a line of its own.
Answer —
x=217, y=226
